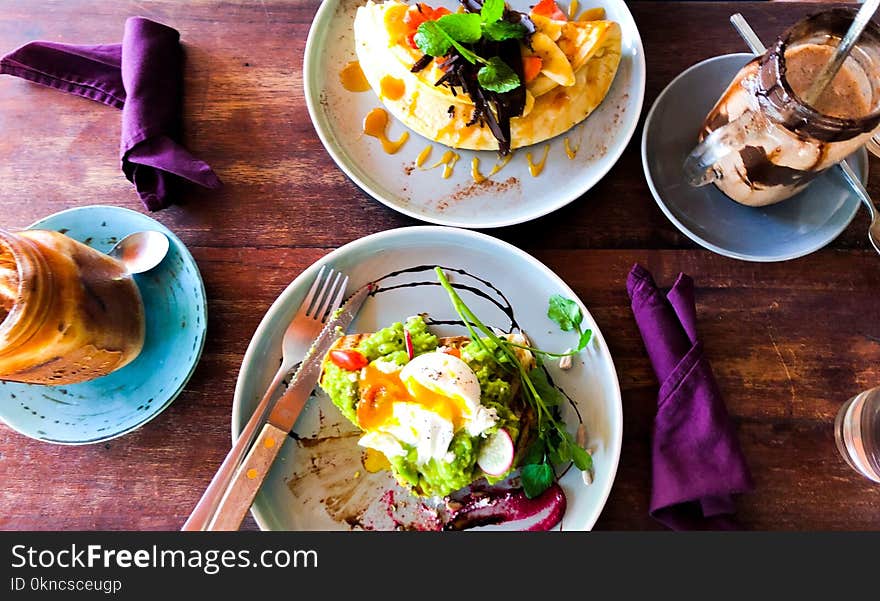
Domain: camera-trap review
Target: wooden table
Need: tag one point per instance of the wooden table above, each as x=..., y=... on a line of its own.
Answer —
x=789, y=342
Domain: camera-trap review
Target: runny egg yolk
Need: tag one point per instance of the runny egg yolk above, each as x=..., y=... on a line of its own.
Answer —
x=379, y=391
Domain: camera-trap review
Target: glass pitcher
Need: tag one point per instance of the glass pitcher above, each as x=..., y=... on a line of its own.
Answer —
x=761, y=143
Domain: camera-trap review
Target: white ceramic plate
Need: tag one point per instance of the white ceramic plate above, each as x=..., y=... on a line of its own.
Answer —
x=512, y=195
x=318, y=482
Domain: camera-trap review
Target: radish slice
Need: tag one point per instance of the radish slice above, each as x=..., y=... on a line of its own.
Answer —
x=496, y=454
x=409, y=345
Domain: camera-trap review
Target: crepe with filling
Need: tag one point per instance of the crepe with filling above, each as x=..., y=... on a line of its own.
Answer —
x=560, y=97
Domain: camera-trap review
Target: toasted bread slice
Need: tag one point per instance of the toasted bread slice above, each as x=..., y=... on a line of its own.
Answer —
x=525, y=412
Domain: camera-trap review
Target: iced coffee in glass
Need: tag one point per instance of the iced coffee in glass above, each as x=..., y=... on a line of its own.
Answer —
x=762, y=143
x=68, y=313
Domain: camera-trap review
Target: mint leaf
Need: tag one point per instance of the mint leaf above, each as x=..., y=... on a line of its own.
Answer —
x=564, y=312
x=492, y=10
x=502, y=30
x=467, y=54
x=586, y=335
x=461, y=27
x=496, y=76
x=431, y=39
x=536, y=478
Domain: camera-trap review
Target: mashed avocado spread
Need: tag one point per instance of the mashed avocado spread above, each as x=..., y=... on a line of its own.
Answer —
x=458, y=469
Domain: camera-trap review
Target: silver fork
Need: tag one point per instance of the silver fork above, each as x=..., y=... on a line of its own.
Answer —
x=324, y=297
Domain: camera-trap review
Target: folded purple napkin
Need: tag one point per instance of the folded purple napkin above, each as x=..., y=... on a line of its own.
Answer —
x=697, y=464
x=143, y=77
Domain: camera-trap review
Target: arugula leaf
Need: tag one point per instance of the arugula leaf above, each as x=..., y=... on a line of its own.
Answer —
x=461, y=27
x=502, y=30
x=496, y=76
x=564, y=312
x=536, y=478
x=492, y=10
x=431, y=39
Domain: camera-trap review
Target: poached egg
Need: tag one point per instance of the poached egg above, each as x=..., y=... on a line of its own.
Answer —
x=421, y=405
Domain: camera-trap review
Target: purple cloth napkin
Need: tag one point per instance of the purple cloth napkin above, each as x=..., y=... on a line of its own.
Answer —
x=143, y=77
x=697, y=464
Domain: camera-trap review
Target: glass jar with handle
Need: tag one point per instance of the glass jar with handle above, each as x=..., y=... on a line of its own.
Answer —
x=68, y=313
x=761, y=143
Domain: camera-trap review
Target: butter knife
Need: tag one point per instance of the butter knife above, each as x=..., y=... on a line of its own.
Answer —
x=253, y=470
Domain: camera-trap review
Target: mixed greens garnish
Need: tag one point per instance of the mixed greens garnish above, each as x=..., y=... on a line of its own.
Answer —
x=553, y=445
x=481, y=52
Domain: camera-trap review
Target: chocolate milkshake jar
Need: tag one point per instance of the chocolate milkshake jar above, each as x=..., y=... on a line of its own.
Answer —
x=761, y=143
x=68, y=313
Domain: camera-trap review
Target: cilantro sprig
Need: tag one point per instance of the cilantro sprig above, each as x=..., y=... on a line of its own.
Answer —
x=554, y=444
x=436, y=38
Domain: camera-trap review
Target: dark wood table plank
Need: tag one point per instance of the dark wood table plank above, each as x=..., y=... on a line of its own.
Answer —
x=789, y=342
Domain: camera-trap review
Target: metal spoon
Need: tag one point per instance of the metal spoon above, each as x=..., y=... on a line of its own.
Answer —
x=826, y=75
x=141, y=251
x=754, y=43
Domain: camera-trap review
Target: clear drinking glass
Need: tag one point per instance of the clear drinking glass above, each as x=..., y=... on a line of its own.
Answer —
x=857, y=433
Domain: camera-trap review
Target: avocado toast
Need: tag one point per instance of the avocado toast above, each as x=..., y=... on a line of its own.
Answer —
x=441, y=410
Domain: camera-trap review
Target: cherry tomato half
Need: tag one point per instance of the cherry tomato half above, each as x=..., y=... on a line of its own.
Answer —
x=348, y=359
x=549, y=9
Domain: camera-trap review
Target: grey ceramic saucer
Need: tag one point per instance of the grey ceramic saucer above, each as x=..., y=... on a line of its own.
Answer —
x=789, y=229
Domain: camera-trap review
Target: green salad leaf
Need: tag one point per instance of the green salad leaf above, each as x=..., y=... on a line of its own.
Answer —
x=567, y=314
x=536, y=478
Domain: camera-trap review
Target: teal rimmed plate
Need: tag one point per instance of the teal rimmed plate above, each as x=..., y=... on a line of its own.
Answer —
x=176, y=319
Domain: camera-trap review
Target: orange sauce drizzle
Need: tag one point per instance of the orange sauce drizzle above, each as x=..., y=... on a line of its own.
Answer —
x=499, y=166
x=448, y=161
x=375, y=124
x=423, y=156
x=392, y=88
x=352, y=78
x=475, y=171
x=536, y=168
x=571, y=152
